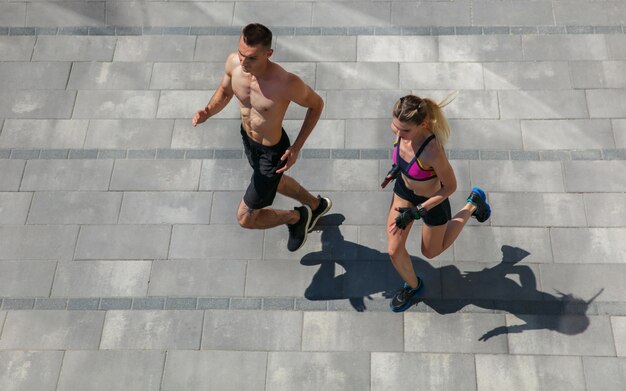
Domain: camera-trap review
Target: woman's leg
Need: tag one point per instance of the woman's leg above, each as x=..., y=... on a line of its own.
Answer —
x=436, y=239
x=398, y=253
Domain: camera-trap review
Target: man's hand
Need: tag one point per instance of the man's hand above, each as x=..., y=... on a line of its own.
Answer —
x=290, y=155
x=199, y=117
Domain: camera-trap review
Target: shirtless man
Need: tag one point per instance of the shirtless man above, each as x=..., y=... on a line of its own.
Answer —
x=264, y=90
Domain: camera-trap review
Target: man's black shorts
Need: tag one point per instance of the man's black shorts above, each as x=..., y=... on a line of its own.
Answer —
x=264, y=161
x=439, y=215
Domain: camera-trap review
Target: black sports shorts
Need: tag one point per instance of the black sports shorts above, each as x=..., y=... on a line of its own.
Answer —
x=264, y=160
x=439, y=215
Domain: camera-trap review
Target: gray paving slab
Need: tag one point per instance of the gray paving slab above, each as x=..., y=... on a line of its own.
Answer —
x=606, y=103
x=74, y=208
x=585, y=281
x=17, y=48
x=65, y=14
x=51, y=330
x=327, y=134
x=41, y=242
x=347, y=76
x=74, y=48
x=224, y=207
x=562, y=335
x=618, y=324
x=593, y=13
x=43, y=133
x=584, y=177
x=230, y=174
x=103, y=369
x=318, y=49
x=544, y=75
x=542, y=104
x=110, y=76
x=157, y=14
x=605, y=210
x=26, y=278
x=485, y=244
x=454, y=76
x=314, y=371
x=173, y=175
x=506, y=176
x=215, y=242
x=215, y=370
x=337, y=174
x=589, y=245
x=393, y=49
x=165, y=208
x=67, y=175
x=435, y=371
x=619, y=130
x=217, y=133
x=469, y=104
x=129, y=133
x=116, y=104
x=14, y=207
x=423, y=14
x=350, y=104
x=252, y=330
x=457, y=333
x=511, y=13
x=480, y=48
x=616, y=45
x=215, y=48
x=537, y=209
x=13, y=15
x=278, y=14
x=52, y=104
x=605, y=373
x=154, y=48
x=30, y=370
x=564, y=47
x=567, y=134
x=352, y=332
x=517, y=372
x=34, y=75
x=187, y=76
x=101, y=279
x=123, y=242
x=152, y=330
x=198, y=278
x=178, y=104
x=278, y=278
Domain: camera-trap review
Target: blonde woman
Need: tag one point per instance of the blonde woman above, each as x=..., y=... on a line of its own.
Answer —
x=425, y=180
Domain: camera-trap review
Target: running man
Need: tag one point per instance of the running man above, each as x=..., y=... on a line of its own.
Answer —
x=264, y=90
x=425, y=180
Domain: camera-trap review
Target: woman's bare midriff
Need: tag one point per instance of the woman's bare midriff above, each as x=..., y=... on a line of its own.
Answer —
x=422, y=188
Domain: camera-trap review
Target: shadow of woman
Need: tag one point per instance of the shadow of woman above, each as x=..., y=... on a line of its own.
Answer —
x=355, y=272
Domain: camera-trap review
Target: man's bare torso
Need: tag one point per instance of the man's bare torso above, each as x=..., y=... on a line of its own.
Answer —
x=262, y=102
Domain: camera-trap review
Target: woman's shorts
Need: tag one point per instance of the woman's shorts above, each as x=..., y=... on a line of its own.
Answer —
x=439, y=215
x=264, y=160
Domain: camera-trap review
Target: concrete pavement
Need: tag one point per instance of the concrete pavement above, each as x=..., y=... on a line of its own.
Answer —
x=121, y=263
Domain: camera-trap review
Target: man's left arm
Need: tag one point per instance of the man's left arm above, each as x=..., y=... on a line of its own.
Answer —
x=302, y=94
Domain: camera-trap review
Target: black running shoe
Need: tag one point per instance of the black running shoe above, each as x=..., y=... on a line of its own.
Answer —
x=478, y=198
x=321, y=210
x=405, y=297
x=299, y=230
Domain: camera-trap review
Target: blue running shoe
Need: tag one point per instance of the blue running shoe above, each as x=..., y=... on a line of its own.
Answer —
x=478, y=198
x=405, y=297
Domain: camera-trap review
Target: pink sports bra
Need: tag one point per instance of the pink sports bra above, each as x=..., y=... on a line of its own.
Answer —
x=413, y=169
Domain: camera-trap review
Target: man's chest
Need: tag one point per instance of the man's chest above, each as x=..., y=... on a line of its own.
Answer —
x=261, y=97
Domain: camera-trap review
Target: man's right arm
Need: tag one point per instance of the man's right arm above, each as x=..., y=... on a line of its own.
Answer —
x=220, y=98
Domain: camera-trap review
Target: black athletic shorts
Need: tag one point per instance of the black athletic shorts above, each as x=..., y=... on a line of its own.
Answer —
x=264, y=161
x=439, y=215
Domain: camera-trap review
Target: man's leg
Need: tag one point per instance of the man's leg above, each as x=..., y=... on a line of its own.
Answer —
x=291, y=188
x=265, y=218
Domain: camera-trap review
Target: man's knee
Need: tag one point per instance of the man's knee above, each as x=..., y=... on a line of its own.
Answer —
x=246, y=217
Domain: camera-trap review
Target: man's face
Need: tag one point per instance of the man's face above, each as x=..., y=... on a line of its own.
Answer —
x=252, y=58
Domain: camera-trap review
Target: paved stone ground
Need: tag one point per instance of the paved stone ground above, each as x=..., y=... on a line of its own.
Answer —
x=121, y=263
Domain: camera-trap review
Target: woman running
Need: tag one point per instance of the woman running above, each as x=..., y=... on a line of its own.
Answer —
x=425, y=180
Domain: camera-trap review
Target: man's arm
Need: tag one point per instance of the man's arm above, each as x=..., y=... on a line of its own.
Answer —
x=220, y=98
x=302, y=94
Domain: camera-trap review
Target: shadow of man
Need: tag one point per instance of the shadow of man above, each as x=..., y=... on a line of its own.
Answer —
x=355, y=272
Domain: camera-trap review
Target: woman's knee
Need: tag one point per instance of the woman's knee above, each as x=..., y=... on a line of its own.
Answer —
x=430, y=253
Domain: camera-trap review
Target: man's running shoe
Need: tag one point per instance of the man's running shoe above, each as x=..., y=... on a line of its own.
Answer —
x=321, y=210
x=478, y=198
x=405, y=297
x=299, y=230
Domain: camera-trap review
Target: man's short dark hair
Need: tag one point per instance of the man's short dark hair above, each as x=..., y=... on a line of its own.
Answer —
x=256, y=34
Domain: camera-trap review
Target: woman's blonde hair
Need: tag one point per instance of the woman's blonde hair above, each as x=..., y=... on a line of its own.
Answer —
x=414, y=109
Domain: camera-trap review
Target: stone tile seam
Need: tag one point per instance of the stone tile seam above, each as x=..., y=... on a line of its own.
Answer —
x=317, y=31
x=299, y=304
x=313, y=153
